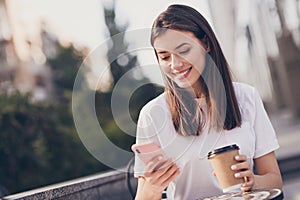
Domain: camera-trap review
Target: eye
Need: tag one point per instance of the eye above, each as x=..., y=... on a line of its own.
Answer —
x=184, y=51
x=164, y=58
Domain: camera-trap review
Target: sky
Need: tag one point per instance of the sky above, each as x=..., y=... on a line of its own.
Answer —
x=82, y=22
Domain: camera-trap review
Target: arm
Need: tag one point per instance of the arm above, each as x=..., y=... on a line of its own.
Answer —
x=157, y=176
x=266, y=167
x=268, y=173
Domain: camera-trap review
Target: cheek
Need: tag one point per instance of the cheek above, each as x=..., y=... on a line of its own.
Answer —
x=165, y=69
x=199, y=63
x=200, y=66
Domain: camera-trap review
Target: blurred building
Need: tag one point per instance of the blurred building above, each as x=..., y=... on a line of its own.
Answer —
x=23, y=53
x=8, y=57
x=260, y=39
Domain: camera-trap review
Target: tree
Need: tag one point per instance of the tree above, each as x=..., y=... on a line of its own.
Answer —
x=39, y=144
x=122, y=62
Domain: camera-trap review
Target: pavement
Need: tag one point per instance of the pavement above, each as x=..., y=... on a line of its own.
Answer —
x=287, y=128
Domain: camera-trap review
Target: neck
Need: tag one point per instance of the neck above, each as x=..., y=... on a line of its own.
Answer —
x=197, y=91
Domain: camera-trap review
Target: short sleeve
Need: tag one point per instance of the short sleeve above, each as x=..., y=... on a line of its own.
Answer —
x=140, y=138
x=266, y=140
x=144, y=132
x=152, y=120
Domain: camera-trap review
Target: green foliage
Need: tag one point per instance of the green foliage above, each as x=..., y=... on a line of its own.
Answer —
x=103, y=108
x=39, y=145
x=64, y=69
x=140, y=97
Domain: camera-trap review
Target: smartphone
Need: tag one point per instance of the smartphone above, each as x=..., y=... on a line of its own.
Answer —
x=147, y=151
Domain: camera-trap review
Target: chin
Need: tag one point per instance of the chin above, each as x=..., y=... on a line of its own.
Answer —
x=184, y=86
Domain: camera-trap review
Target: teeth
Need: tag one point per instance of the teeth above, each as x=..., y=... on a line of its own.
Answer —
x=182, y=74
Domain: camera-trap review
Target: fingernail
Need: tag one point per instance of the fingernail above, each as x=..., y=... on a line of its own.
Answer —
x=244, y=185
x=160, y=158
x=237, y=175
x=150, y=163
x=233, y=167
x=237, y=157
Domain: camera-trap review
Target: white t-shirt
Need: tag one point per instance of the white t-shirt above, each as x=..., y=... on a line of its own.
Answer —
x=255, y=137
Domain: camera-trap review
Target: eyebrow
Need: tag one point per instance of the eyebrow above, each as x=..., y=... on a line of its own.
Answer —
x=185, y=43
x=163, y=51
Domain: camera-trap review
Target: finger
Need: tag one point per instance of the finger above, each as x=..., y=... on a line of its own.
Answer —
x=167, y=176
x=163, y=173
x=240, y=158
x=247, y=174
x=240, y=166
x=167, y=181
x=164, y=165
x=157, y=167
x=247, y=186
x=167, y=171
x=248, y=179
x=153, y=164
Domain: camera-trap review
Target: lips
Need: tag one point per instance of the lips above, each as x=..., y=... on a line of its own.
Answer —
x=182, y=74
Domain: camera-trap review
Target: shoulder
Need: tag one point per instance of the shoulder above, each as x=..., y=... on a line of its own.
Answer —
x=247, y=97
x=242, y=89
x=245, y=94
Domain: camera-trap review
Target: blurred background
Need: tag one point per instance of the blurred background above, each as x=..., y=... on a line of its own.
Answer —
x=43, y=44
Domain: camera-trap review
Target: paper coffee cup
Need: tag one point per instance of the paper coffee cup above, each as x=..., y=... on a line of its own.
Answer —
x=221, y=160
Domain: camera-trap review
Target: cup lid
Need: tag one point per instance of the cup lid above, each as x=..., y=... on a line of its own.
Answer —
x=222, y=150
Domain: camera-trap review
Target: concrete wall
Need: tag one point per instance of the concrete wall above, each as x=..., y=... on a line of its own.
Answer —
x=111, y=186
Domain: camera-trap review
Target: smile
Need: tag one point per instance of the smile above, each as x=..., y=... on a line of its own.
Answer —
x=182, y=74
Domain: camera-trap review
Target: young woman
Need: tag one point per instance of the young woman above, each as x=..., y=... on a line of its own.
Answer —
x=200, y=110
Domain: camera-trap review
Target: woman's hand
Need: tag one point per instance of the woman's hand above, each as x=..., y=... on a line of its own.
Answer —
x=159, y=172
x=243, y=170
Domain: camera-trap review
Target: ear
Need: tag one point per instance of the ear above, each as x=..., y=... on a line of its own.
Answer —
x=206, y=43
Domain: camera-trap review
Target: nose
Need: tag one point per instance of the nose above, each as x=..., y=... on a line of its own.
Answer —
x=176, y=62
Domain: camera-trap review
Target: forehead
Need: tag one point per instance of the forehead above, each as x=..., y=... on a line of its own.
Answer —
x=171, y=39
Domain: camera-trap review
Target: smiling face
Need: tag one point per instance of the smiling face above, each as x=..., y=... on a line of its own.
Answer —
x=181, y=57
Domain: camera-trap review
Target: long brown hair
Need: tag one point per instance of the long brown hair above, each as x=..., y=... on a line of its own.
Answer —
x=215, y=81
